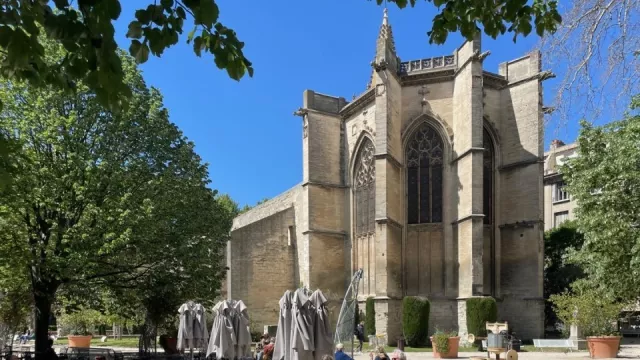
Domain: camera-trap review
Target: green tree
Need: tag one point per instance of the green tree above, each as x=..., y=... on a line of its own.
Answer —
x=559, y=273
x=232, y=207
x=105, y=200
x=605, y=182
x=88, y=36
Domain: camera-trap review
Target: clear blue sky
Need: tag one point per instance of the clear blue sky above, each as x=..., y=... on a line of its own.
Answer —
x=245, y=130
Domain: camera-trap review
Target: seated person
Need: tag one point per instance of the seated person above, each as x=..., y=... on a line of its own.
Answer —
x=398, y=354
x=267, y=351
x=340, y=355
x=379, y=354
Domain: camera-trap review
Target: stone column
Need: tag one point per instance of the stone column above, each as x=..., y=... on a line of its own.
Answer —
x=324, y=222
x=468, y=162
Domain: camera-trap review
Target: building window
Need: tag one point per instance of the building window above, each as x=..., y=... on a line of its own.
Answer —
x=487, y=174
x=365, y=188
x=424, y=176
x=560, y=217
x=560, y=192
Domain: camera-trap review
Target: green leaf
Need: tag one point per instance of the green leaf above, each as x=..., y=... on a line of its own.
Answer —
x=135, y=30
x=207, y=13
x=192, y=33
x=113, y=8
x=144, y=16
x=197, y=45
x=139, y=51
x=167, y=4
x=181, y=13
x=61, y=4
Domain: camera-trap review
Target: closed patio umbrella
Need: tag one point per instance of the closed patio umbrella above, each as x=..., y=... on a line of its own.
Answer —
x=282, y=349
x=321, y=326
x=302, y=337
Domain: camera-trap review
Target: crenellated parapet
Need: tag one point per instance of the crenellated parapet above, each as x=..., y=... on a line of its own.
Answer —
x=428, y=64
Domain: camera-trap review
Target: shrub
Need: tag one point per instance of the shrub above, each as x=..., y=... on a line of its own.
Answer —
x=593, y=313
x=479, y=311
x=415, y=320
x=441, y=341
x=370, y=317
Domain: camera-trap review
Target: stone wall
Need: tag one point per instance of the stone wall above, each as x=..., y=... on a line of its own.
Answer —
x=263, y=260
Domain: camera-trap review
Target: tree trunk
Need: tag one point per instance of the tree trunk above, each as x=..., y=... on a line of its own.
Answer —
x=43, y=313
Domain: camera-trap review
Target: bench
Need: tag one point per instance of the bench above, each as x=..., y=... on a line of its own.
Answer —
x=555, y=343
x=91, y=354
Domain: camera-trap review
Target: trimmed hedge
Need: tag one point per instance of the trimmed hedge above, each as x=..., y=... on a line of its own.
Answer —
x=479, y=311
x=415, y=320
x=370, y=317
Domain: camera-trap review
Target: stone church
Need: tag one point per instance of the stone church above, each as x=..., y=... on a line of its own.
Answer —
x=430, y=181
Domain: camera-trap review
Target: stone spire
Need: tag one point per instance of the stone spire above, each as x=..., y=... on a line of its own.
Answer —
x=386, y=33
x=385, y=48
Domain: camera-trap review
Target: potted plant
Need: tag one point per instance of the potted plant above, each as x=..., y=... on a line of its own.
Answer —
x=596, y=315
x=445, y=344
x=169, y=338
x=80, y=322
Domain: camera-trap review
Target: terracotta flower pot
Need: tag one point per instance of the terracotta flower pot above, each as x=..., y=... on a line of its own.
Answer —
x=171, y=346
x=603, y=347
x=79, y=341
x=454, y=343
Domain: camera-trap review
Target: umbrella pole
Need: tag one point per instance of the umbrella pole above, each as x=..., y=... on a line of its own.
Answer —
x=352, y=345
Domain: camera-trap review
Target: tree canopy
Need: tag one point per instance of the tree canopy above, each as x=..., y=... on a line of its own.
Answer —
x=105, y=200
x=496, y=18
x=86, y=32
x=605, y=182
x=559, y=272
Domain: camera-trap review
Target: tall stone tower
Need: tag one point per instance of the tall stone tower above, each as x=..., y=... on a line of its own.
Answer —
x=430, y=181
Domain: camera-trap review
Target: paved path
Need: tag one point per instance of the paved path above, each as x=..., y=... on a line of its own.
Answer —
x=628, y=351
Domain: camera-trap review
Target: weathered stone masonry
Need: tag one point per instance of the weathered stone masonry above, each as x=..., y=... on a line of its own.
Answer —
x=430, y=181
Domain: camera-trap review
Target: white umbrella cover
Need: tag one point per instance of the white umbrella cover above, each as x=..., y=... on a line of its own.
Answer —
x=282, y=348
x=185, y=329
x=302, y=339
x=322, y=328
x=200, y=333
x=241, y=328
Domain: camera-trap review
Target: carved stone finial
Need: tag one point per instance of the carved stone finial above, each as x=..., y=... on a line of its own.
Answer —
x=385, y=17
x=546, y=75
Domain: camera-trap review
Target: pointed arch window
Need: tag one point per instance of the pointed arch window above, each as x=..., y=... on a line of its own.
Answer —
x=487, y=175
x=424, y=176
x=365, y=188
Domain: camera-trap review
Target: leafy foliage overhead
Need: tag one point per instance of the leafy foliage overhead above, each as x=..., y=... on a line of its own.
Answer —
x=87, y=34
x=494, y=17
x=605, y=182
x=86, y=31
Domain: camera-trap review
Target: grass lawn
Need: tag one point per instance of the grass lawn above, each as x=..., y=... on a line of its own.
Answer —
x=125, y=342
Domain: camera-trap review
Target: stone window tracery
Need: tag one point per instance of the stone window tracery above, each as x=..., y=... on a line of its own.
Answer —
x=424, y=176
x=364, y=184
